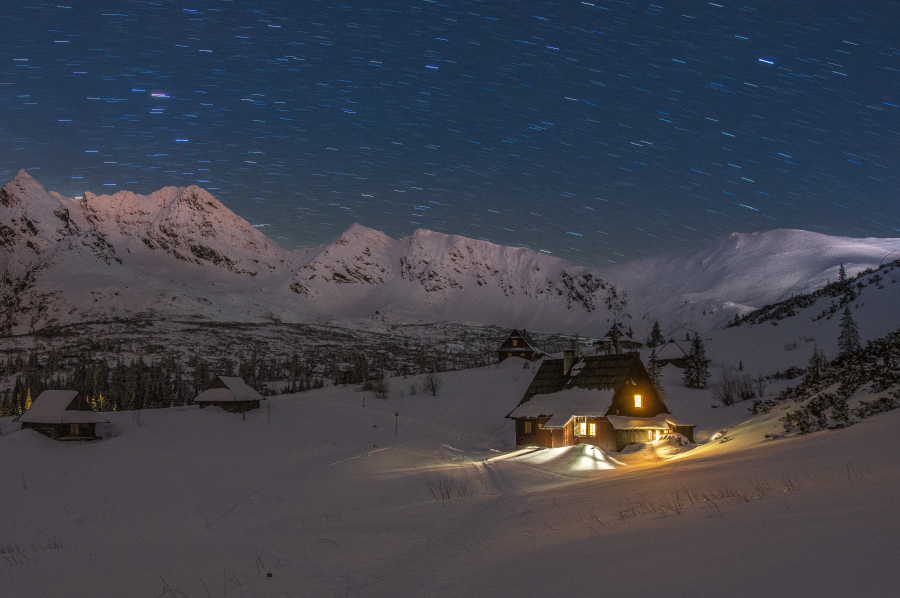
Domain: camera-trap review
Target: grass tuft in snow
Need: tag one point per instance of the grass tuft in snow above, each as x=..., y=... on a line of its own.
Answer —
x=445, y=486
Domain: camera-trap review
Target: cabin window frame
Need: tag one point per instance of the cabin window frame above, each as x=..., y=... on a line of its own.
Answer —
x=526, y=428
x=638, y=401
x=592, y=429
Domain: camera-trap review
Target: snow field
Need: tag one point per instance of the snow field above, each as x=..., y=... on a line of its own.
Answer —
x=318, y=491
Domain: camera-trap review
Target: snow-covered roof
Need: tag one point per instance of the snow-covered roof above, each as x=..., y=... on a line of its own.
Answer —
x=671, y=350
x=59, y=407
x=657, y=422
x=563, y=405
x=228, y=389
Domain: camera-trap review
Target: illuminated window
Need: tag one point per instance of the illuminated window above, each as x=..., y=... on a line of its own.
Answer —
x=527, y=428
x=592, y=429
x=657, y=434
x=582, y=429
x=637, y=400
x=515, y=343
x=649, y=434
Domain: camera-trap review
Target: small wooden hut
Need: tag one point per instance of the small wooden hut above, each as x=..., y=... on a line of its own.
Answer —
x=230, y=393
x=615, y=334
x=608, y=401
x=672, y=353
x=62, y=415
x=519, y=344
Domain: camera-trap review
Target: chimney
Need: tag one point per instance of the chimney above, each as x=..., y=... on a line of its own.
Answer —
x=568, y=361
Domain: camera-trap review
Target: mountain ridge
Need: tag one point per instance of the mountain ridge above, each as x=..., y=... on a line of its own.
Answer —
x=180, y=252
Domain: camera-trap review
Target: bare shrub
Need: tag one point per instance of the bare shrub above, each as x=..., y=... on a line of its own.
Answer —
x=381, y=388
x=432, y=382
x=734, y=386
x=447, y=486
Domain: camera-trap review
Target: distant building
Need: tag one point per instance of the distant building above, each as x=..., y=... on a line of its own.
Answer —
x=626, y=340
x=519, y=345
x=672, y=353
x=608, y=401
x=62, y=415
x=231, y=394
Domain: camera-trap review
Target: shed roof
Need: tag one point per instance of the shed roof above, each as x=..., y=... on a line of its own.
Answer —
x=226, y=389
x=566, y=404
x=61, y=407
x=659, y=422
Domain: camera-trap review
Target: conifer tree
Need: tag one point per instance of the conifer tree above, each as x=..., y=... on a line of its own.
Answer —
x=848, y=341
x=816, y=366
x=656, y=338
x=697, y=371
x=655, y=373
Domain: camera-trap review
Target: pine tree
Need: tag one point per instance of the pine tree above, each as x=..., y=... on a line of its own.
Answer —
x=656, y=338
x=816, y=366
x=615, y=348
x=655, y=373
x=842, y=274
x=848, y=341
x=696, y=373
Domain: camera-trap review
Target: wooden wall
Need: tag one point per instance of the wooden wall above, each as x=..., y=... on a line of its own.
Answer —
x=62, y=431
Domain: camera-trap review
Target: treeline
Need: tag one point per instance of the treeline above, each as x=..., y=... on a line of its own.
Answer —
x=845, y=289
x=158, y=380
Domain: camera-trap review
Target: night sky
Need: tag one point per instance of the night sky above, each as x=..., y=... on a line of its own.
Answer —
x=592, y=131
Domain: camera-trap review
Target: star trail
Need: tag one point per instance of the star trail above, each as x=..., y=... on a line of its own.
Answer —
x=594, y=131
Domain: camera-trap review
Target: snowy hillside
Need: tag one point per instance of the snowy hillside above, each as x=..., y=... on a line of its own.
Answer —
x=181, y=253
x=742, y=272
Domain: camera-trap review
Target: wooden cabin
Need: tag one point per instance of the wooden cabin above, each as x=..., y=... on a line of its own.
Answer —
x=608, y=401
x=672, y=353
x=62, y=415
x=230, y=393
x=625, y=339
x=519, y=344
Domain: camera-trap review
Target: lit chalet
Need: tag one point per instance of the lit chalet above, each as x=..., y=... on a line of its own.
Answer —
x=608, y=401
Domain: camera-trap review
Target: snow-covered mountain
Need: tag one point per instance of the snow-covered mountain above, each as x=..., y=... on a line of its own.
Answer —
x=742, y=272
x=179, y=252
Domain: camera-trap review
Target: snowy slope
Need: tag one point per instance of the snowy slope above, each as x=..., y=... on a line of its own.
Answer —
x=741, y=272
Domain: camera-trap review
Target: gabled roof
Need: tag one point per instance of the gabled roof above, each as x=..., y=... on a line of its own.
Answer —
x=228, y=389
x=524, y=336
x=671, y=350
x=593, y=372
x=61, y=407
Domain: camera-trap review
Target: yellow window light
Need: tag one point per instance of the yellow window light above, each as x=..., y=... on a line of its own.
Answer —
x=637, y=400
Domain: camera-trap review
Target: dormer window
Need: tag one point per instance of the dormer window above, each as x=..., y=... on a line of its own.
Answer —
x=637, y=400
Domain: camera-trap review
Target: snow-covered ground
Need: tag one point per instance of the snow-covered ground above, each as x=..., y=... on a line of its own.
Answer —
x=333, y=494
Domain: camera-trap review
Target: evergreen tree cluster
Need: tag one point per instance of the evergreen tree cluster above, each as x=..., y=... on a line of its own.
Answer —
x=846, y=289
x=146, y=374
x=877, y=365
